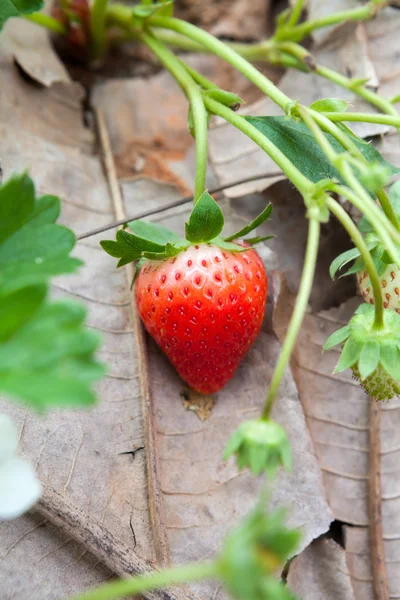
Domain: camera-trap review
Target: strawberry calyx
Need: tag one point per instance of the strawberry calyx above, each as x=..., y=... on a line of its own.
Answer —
x=150, y=241
x=261, y=445
x=373, y=354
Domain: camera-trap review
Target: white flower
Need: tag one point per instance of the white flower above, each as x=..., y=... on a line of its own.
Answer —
x=19, y=488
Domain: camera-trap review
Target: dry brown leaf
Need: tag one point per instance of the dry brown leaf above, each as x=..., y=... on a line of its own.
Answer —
x=31, y=48
x=321, y=573
x=337, y=413
x=77, y=452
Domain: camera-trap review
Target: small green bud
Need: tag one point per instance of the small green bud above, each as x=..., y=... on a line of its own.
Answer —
x=253, y=552
x=260, y=445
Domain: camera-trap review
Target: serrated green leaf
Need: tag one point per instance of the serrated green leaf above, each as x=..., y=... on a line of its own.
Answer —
x=338, y=337
x=154, y=232
x=49, y=360
x=206, y=220
x=350, y=354
x=17, y=201
x=355, y=268
x=369, y=358
x=330, y=105
x=14, y=8
x=261, y=218
x=18, y=307
x=390, y=359
x=296, y=141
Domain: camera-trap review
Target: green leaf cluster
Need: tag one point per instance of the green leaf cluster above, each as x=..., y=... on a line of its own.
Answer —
x=149, y=241
x=46, y=354
x=15, y=8
x=260, y=445
x=253, y=552
x=373, y=354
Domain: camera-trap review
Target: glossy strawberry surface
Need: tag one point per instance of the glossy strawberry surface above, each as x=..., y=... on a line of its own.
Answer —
x=204, y=308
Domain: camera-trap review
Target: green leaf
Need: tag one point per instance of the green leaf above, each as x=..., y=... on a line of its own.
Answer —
x=296, y=141
x=14, y=8
x=18, y=308
x=17, y=200
x=49, y=360
x=266, y=213
x=206, y=220
x=338, y=337
x=350, y=354
x=342, y=260
x=390, y=360
x=330, y=105
x=153, y=232
x=369, y=358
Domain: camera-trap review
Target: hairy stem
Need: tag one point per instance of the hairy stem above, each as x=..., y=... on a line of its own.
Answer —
x=194, y=95
x=47, y=22
x=358, y=240
x=158, y=579
x=98, y=37
x=300, y=308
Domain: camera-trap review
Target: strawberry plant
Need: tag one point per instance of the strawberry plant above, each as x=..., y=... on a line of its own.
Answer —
x=202, y=294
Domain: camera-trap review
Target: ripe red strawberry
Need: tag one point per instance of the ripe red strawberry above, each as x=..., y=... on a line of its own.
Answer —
x=204, y=308
x=390, y=284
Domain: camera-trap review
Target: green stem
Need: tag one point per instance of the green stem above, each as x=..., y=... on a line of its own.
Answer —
x=358, y=240
x=47, y=22
x=303, y=184
x=382, y=103
x=151, y=581
x=225, y=52
x=387, y=207
x=301, y=31
x=296, y=13
x=194, y=95
x=364, y=118
x=98, y=28
x=299, y=311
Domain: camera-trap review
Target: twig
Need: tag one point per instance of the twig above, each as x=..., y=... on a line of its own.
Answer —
x=153, y=481
x=174, y=204
x=112, y=552
x=378, y=566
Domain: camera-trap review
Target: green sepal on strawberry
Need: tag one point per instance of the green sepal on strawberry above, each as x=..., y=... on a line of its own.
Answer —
x=372, y=354
x=202, y=298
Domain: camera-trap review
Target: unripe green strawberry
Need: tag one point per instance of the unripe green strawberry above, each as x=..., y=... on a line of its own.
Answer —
x=390, y=284
x=372, y=353
x=204, y=308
